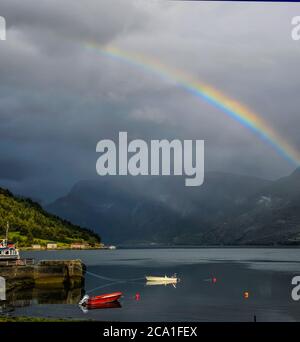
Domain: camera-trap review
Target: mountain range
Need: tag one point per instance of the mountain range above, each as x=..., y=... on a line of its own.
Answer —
x=227, y=209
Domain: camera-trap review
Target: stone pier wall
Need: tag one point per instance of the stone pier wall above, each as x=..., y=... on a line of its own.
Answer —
x=48, y=273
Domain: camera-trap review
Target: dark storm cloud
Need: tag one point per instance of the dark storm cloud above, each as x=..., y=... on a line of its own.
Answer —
x=14, y=170
x=58, y=97
x=91, y=19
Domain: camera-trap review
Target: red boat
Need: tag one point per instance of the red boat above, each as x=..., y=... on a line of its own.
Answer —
x=98, y=300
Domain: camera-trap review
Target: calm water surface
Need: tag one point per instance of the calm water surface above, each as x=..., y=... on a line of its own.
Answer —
x=265, y=274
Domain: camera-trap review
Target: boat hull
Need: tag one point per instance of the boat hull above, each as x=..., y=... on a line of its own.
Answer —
x=156, y=283
x=104, y=299
x=9, y=257
x=161, y=279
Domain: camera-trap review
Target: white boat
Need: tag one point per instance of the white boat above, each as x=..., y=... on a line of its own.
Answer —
x=163, y=280
x=8, y=251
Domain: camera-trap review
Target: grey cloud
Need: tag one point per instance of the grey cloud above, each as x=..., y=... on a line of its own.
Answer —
x=91, y=19
x=59, y=97
x=15, y=170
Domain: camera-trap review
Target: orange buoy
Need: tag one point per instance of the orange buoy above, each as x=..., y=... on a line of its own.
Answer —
x=246, y=294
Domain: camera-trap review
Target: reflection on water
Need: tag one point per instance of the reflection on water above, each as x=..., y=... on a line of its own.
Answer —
x=209, y=290
x=35, y=296
x=158, y=283
x=5, y=307
x=113, y=305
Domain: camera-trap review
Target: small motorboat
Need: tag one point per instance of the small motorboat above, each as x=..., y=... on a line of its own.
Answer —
x=8, y=250
x=165, y=279
x=112, y=305
x=100, y=300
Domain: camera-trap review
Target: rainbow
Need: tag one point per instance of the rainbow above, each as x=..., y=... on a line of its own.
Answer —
x=230, y=107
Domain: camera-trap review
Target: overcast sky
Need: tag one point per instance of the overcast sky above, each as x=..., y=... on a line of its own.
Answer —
x=58, y=98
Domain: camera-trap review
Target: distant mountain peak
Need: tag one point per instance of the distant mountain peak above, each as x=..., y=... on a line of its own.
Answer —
x=155, y=209
x=296, y=172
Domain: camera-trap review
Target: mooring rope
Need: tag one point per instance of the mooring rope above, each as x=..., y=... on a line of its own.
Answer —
x=101, y=277
x=113, y=279
x=102, y=286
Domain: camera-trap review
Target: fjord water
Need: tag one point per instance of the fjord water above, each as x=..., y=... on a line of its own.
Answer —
x=265, y=274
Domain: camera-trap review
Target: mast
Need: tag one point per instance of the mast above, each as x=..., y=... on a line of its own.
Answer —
x=6, y=237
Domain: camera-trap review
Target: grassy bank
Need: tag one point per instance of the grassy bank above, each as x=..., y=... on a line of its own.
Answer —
x=30, y=224
x=12, y=319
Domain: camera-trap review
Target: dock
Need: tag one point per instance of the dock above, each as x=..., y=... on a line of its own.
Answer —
x=47, y=273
